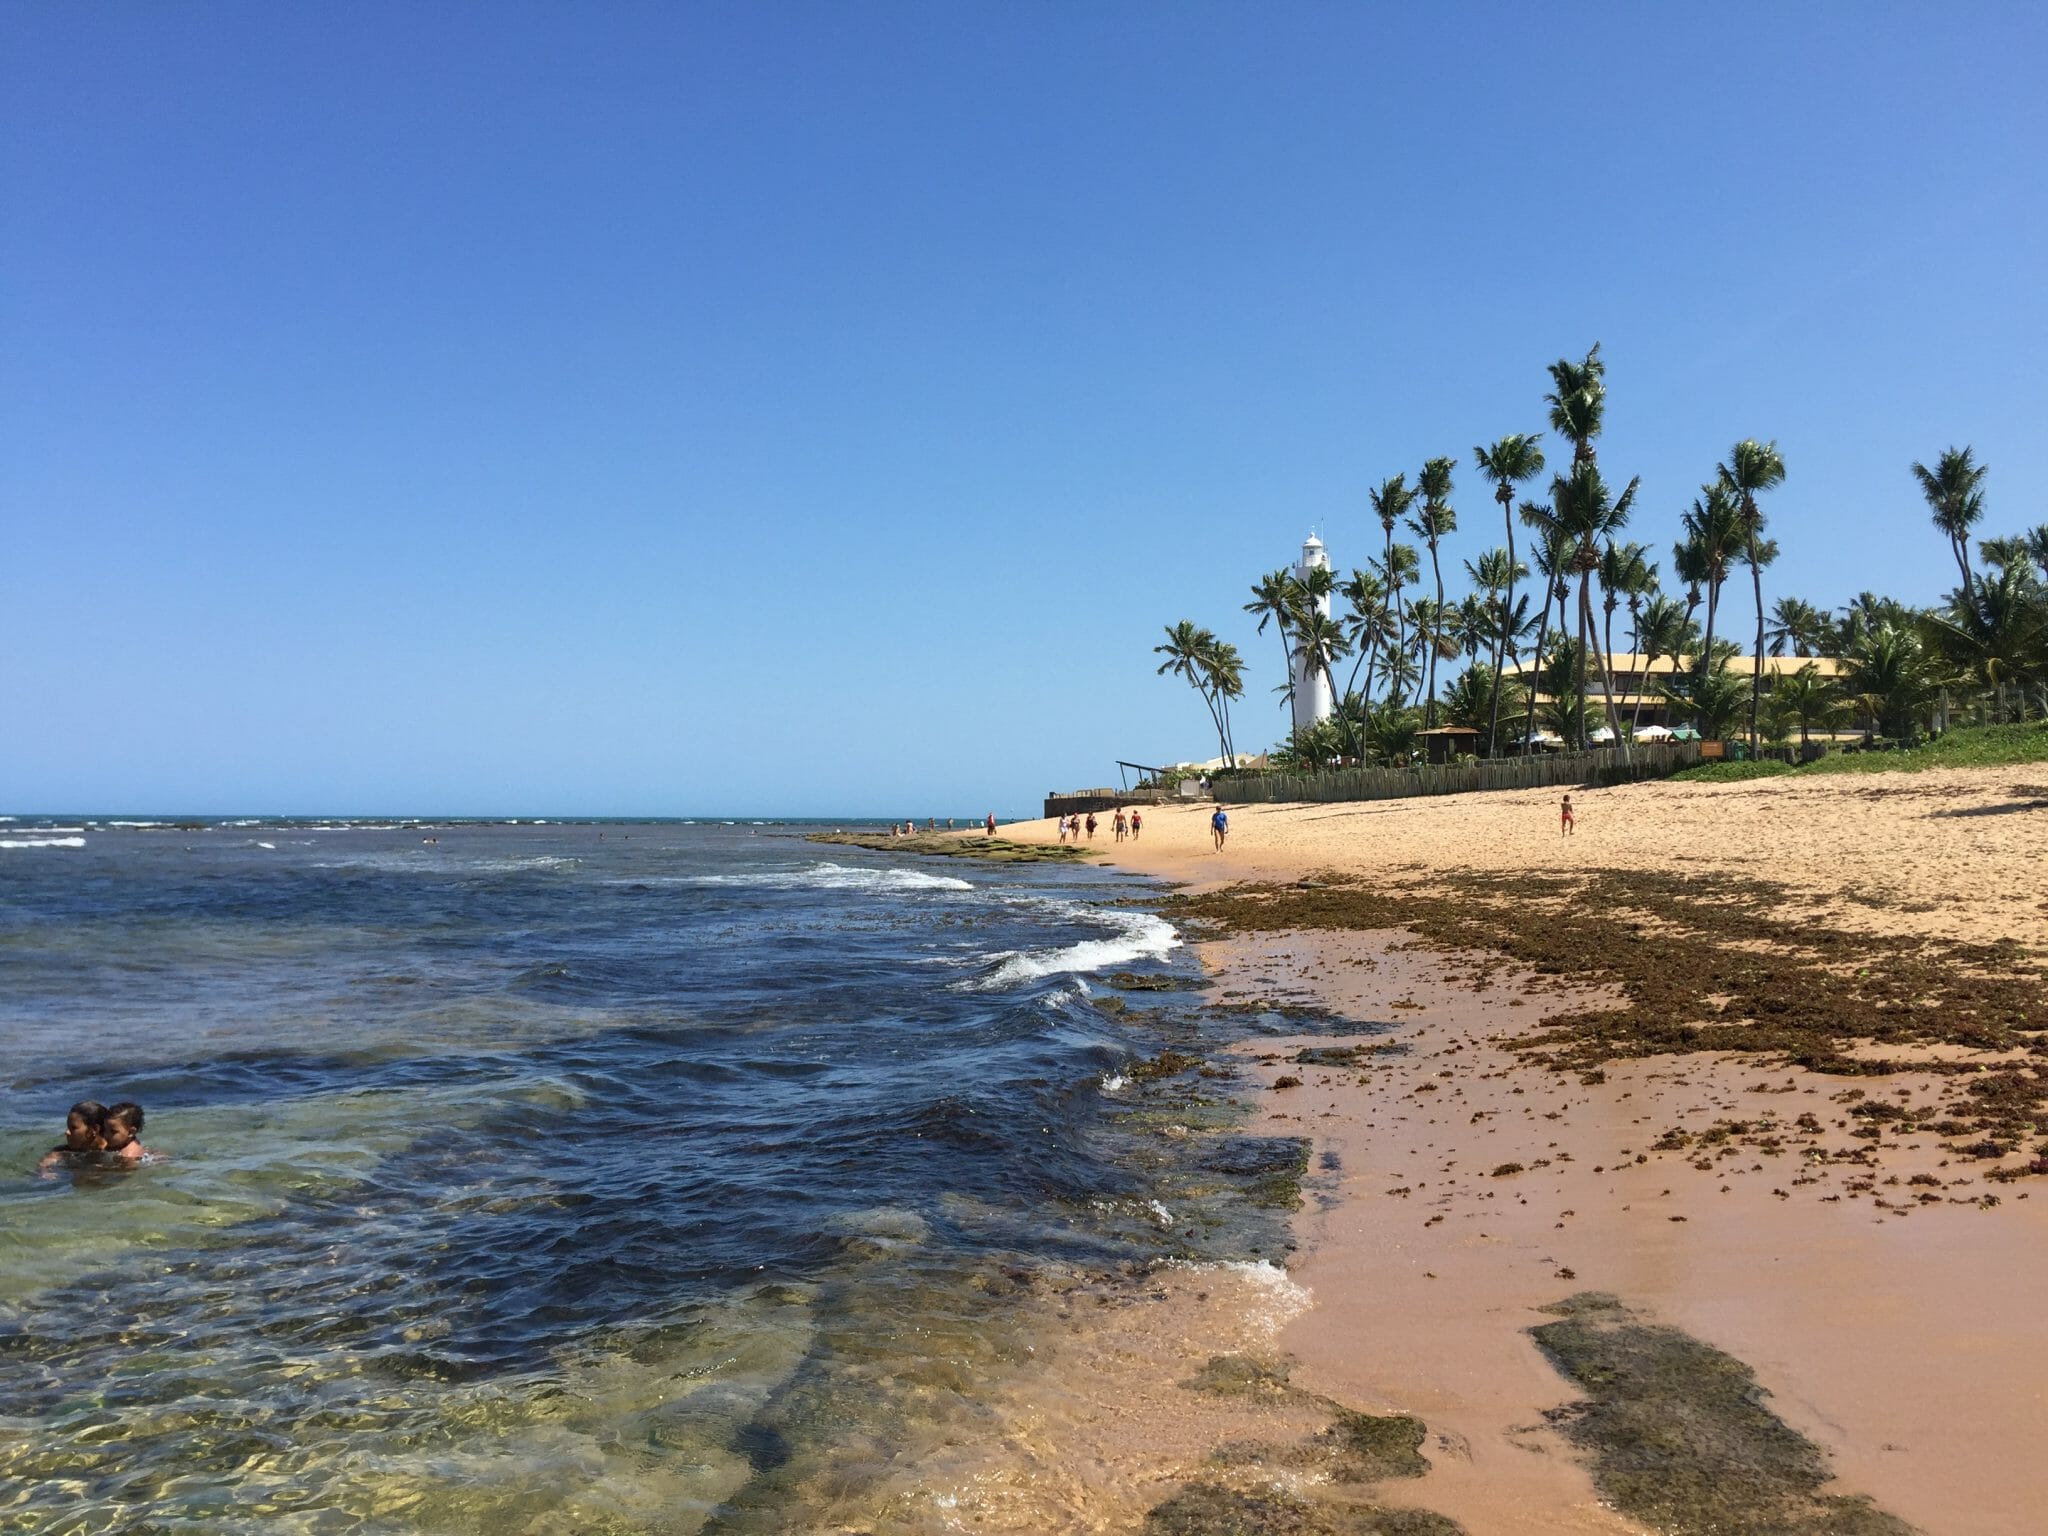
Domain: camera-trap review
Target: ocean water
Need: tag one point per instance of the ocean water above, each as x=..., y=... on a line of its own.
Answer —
x=677, y=1179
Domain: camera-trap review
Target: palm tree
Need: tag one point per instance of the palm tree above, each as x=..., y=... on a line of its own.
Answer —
x=1713, y=528
x=1222, y=669
x=1552, y=550
x=1434, y=637
x=1578, y=402
x=1659, y=630
x=1273, y=598
x=1188, y=650
x=1319, y=641
x=1436, y=520
x=1514, y=459
x=1954, y=489
x=1995, y=632
x=1588, y=516
x=1626, y=574
x=1468, y=700
x=1391, y=500
x=1753, y=467
x=1403, y=566
x=1810, y=699
x=1889, y=676
x=1796, y=624
x=1864, y=615
x=2037, y=546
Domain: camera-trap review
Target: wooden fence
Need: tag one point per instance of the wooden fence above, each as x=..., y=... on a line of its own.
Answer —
x=1648, y=760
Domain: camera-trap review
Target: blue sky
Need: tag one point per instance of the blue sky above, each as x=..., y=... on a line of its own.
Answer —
x=820, y=408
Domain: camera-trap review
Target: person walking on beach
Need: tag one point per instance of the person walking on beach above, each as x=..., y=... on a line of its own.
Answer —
x=1219, y=828
x=991, y=824
x=1119, y=824
x=1137, y=821
x=1091, y=826
x=1565, y=827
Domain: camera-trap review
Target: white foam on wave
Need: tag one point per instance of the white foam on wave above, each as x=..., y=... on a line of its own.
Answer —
x=1114, y=1082
x=138, y=823
x=1139, y=936
x=271, y=846
x=42, y=842
x=1273, y=1298
x=835, y=877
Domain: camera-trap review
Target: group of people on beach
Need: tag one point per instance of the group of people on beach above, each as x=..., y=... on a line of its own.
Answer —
x=98, y=1135
x=1077, y=825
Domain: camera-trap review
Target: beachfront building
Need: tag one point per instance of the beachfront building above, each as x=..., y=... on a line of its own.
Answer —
x=1312, y=701
x=1635, y=679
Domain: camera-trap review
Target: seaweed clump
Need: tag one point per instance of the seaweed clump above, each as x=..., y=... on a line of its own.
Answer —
x=1711, y=963
x=1209, y=1509
x=1678, y=1435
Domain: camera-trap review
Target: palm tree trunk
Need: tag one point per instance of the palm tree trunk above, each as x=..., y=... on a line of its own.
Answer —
x=1500, y=635
x=1438, y=570
x=1585, y=613
x=1606, y=680
x=1535, y=670
x=1756, y=676
x=1636, y=719
x=1706, y=657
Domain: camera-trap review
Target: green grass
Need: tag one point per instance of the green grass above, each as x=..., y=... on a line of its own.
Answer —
x=1971, y=746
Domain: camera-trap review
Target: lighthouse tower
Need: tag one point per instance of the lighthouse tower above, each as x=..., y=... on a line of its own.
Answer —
x=1312, y=700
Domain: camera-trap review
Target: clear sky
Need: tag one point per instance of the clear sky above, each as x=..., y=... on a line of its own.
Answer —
x=820, y=408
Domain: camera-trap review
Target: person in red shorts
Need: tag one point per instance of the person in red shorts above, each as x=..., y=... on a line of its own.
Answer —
x=1565, y=827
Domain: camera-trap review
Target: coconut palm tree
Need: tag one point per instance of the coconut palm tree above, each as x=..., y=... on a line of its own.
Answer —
x=1549, y=558
x=1436, y=520
x=1626, y=575
x=1578, y=402
x=1188, y=650
x=1391, y=500
x=1890, y=677
x=1660, y=630
x=1954, y=489
x=1752, y=468
x=1588, y=516
x=1713, y=529
x=1432, y=638
x=1995, y=633
x=1222, y=670
x=1796, y=625
x=1508, y=463
x=1810, y=699
x=1319, y=642
x=1273, y=598
x=2037, y=546
x=1468, y=699
x=1402, y=567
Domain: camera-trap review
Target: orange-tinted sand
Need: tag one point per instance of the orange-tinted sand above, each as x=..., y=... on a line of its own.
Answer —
x=1901, y=1326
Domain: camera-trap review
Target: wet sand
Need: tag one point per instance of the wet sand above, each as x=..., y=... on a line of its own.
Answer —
x=1891, y=1299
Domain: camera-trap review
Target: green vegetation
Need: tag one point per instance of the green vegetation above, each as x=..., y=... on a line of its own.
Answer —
x=1679, y=1437
x=1980, y=654
x=1207, y=1509
x=1981, y=746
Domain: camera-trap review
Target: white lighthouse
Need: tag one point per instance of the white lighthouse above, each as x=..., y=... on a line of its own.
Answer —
x=1312, y=701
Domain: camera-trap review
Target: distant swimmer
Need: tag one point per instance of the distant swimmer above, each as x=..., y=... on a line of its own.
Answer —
x=1219, y=828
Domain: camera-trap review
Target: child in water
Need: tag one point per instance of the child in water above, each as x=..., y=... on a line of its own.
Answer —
x=83, y=1135
x=121, y=1131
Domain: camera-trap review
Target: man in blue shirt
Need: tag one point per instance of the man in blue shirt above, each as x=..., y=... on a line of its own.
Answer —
x=1219, y=827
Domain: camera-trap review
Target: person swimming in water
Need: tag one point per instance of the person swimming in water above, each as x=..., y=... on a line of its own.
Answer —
x=121, y=1132
x=84, y=1134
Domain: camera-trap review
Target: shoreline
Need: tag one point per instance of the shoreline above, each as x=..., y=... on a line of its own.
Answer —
x=1472, y=1183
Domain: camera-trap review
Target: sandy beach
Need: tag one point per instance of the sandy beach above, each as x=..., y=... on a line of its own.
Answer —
x=1867, y=1238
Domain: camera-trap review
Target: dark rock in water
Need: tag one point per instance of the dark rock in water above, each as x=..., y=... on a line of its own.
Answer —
x=1239, y=1376
x=1132, y=981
